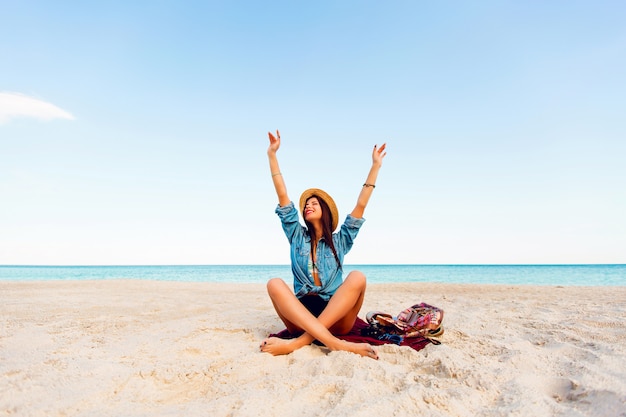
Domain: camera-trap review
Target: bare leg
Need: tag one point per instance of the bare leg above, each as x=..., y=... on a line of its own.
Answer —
x=339, y=316
x=345, y=304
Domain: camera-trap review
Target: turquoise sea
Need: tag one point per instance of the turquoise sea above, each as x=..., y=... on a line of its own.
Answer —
x=582, y=275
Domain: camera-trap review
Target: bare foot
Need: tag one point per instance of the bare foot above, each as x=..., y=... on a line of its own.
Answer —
x=277, y=346
x=362, y=349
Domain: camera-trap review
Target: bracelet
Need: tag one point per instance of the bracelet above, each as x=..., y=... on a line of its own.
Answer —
x=276, y=173
x=369, y=185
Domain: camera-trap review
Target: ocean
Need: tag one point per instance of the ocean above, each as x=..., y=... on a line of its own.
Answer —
x=579, y=275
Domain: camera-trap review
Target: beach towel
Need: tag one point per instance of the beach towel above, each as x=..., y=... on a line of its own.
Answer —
x=417, y=343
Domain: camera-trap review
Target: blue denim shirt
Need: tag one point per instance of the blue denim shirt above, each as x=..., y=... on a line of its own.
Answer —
x=329, y=272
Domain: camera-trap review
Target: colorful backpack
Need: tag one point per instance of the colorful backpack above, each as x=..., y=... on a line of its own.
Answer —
x=418, y=320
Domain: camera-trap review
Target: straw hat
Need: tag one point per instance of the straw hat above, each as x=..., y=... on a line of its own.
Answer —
x=334, y=214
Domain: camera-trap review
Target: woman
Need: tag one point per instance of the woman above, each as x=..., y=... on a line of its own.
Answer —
x=323, y=305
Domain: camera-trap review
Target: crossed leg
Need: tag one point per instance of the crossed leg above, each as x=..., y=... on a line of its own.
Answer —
x=337, y=318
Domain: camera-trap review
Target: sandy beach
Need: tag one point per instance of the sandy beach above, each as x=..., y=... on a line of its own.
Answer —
x=144, y=348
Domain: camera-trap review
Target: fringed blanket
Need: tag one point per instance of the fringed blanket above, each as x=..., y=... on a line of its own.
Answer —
x=417, y=343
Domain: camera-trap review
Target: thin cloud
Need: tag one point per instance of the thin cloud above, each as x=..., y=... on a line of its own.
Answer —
x=14, y=105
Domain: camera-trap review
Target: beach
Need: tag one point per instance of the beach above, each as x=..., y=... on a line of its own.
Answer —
x=156, y=348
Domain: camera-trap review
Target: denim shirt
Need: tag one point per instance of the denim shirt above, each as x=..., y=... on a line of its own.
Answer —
x=330, y=273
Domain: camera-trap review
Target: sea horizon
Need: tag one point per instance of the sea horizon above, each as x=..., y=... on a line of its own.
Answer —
x=513, y=274
x=286, y=264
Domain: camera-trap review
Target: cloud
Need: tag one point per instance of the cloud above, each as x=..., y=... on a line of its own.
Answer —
x=13, y=105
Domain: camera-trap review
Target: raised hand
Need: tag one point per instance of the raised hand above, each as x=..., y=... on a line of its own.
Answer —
x=274, y=142
x=378, y=154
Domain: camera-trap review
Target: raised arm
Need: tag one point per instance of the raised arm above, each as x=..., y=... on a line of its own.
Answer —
x=277, y=176
x=377, y=161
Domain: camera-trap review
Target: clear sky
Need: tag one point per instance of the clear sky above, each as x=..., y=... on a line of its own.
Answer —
x=136, y=132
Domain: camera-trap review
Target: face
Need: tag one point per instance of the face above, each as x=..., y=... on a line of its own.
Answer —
x=312, y=210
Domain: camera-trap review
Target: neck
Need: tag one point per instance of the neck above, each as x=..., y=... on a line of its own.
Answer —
x=318, y=230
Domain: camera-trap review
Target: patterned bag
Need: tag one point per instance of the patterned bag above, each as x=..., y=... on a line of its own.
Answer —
x=418, y=320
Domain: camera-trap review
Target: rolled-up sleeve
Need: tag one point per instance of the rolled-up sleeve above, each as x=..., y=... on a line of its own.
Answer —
x=289, y=219
x=349, y=229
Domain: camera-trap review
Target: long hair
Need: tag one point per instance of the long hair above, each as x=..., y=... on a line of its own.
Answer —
x=327, y=230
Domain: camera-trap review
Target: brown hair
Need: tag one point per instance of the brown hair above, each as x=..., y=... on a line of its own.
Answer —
x=327, y=231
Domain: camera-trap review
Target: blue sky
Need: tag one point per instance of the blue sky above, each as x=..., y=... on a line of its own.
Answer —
x=136, y=132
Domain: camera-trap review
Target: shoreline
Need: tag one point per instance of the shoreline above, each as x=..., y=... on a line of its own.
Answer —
x=138, y=347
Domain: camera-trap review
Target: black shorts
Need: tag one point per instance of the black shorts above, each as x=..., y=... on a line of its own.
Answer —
x=314, y=303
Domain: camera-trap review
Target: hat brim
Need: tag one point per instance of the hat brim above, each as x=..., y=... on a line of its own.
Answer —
x=334, y=213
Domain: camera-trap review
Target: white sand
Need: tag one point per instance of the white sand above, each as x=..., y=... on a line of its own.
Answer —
x=141, y=348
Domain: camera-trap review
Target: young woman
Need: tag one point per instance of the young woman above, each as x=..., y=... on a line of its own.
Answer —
x=323, y=304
